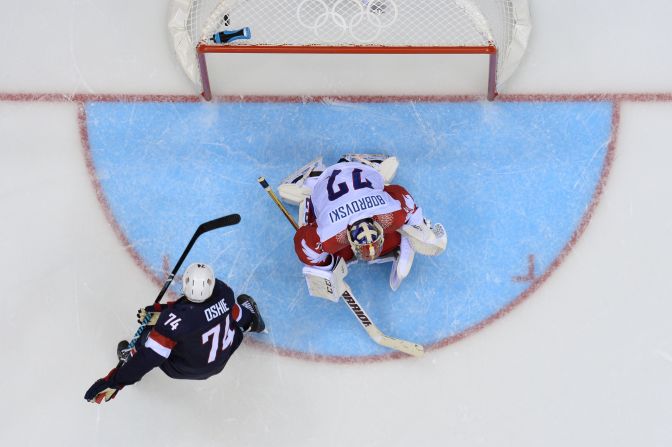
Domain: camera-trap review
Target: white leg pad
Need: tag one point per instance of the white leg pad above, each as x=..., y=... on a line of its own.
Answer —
x=388, y=169
x=327, y=284
x=292, y=193
x=385, y=164
x=303, y=214
x=406, y=256
x=402, y=263
x=293, y=188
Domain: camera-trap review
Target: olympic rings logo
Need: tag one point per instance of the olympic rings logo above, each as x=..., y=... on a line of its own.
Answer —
x=363, y=20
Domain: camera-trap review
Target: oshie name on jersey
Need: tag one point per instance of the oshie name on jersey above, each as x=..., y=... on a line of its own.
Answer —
x=217, y=309
x=356, y=206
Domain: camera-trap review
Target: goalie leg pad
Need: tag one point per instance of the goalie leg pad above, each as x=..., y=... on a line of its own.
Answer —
x=385, y=164
x=327, y=284
x=402, y=263
x=405, y=259
x=294, y=189
x=293, y=193
x=303, y=212
x=388, y=168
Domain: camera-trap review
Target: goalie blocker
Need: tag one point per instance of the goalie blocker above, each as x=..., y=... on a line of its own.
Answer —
x=327, y=283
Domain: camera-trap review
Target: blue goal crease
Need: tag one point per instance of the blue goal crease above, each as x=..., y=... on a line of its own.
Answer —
x=507, y=180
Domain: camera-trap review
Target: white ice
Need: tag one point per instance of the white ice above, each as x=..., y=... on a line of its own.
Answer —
x=68, y=285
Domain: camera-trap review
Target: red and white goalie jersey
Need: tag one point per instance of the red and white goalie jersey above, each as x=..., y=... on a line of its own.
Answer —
x=345, y=193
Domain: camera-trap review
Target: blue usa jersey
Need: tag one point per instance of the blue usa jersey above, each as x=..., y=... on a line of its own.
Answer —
x=190, y=340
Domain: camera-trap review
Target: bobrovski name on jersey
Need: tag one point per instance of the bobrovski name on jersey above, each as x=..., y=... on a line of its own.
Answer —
x=356, y=206
x=217, y=309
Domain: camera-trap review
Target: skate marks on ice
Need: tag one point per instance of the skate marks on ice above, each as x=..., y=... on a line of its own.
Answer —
x=514, y=184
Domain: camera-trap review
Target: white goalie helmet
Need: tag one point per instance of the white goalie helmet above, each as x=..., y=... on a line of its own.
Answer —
x=198, y=282
x=366, y=238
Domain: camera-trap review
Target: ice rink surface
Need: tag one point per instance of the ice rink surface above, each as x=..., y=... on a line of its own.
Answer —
x=586, y=359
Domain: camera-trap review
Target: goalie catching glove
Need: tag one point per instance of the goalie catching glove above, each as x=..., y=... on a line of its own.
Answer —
x=425, y=238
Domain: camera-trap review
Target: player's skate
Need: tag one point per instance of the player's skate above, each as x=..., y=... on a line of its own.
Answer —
x=257, y=324
x=123, y=353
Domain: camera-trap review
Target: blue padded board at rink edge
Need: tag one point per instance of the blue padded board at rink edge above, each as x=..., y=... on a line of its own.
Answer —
x=507, y=180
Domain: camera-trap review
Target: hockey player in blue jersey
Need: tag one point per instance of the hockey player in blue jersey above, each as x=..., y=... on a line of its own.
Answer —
x=191, y=338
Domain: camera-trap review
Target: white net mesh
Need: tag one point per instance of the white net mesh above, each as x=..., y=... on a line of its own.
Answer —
x=350, y=22
x=434, y=23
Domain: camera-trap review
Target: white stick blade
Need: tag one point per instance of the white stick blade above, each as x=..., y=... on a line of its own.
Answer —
x=404, y=346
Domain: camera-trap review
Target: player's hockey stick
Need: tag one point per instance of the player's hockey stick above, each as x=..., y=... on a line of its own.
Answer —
x=376, y=335
x=225, y=221
x=231, y=219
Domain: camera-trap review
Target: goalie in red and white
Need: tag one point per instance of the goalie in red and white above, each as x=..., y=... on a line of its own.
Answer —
x=349, y=212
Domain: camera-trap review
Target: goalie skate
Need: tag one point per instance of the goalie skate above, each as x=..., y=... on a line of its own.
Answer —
x=293, y=189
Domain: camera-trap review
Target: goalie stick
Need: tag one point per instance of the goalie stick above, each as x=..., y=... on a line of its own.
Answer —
x=376, y=334
x=225, y=221
x=371, y=329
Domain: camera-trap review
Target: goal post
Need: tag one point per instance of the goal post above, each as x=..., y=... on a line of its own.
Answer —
x=497, y=29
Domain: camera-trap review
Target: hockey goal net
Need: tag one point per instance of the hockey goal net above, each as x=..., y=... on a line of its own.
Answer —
x=496, y=28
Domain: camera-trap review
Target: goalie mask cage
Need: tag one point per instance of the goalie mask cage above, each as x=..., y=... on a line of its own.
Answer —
x=496, y=28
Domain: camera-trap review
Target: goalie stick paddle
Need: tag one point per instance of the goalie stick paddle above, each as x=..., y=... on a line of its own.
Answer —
x=225, y=221
x=371, y=329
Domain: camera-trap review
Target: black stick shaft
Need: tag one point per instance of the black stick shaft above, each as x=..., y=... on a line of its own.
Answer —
x=225, y=221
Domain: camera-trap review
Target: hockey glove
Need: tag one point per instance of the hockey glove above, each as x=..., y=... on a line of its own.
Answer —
x=103, y=389
x=154, y=311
